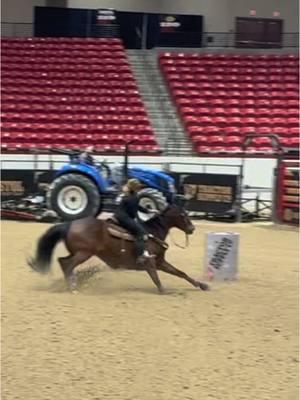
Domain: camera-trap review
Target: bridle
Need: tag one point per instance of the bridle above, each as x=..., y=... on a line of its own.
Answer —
x=184, y=215
x=178, y=245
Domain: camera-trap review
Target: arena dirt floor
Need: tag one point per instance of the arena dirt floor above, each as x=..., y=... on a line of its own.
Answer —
x=119, y=339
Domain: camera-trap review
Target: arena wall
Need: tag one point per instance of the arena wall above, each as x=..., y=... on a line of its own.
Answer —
x=258, y=172
x=219, y=15
x=15, y=11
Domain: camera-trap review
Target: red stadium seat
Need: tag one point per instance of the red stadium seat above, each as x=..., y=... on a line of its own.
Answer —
x=294, y=131
x=203, y=149
x=231, y=130
x=293, y=122
x=263, y=130
x=233, y=140
x=55, y=91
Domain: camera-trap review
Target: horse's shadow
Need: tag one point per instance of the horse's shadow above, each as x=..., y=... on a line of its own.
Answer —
x=91, y=282
x=96, y=287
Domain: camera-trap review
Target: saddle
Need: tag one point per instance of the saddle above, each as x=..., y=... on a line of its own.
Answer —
x=116, y=230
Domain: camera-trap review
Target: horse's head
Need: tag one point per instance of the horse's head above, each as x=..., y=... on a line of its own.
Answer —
x=178, y=218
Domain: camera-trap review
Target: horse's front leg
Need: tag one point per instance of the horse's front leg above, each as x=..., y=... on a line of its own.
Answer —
x=169, y=269
x=152, y=271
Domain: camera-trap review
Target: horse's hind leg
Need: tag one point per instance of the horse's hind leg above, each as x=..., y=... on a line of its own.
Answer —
x=69, y=263
x=169, y=269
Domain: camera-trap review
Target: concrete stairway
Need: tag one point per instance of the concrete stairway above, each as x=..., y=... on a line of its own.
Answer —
x=161, y=111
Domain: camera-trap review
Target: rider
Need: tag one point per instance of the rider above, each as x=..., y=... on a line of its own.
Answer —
x=86, y=156
x=126, y=214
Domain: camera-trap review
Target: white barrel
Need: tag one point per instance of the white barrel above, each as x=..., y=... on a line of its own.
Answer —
x=221, y=256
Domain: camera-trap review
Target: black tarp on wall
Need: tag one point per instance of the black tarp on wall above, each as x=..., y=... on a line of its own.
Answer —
x=65, y=22
x=160, y=30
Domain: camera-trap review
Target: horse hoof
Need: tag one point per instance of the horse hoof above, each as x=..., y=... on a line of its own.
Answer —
x=74, y=291
x=204, y=286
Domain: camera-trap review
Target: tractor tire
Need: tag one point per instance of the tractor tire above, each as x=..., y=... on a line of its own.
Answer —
x=74, y=196
x=151, y=199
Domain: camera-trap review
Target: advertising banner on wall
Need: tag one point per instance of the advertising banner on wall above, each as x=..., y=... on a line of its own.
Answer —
x=105, y=16
x=16, y=184
x=208, y=193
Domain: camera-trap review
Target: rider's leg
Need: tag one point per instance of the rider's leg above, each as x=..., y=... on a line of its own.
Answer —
x=140, y=234
x=141, y=238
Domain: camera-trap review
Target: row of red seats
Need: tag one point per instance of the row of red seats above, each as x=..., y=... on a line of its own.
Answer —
x=237, y=102
x=23, y=78
x=237, y=151
x=234, y=64
x=66, y=51
x=10, y=120
x=79, y=138
x=218, y=113
x=182, y=80
x=72, y=109
x=64, y=68
x=89, y=100
x=126, y=78
x=242, y=86
x=76, y=128
x=100, y=92
x=69, y=118
x=239, y=72
x=229, y=94
x=98, y=148
x=205, y=77
x=227, y=70
x=122, y=87
x=67, y=60
x=227, y=56
x=40, y=49
x=240, y=121
x=83, y=50
x=61, y=76
x=203, y=74
x=11, y=103
x=208, y=130
x=106, y=45
x=238, y=112
x=219, y=140
x=92, y=90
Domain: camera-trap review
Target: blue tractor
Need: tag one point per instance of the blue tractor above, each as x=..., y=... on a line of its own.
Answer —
x=83, y=187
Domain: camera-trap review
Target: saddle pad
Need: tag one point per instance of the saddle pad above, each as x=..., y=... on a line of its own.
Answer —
x=120, y=234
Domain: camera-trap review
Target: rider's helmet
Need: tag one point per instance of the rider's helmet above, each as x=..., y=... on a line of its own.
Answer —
x=134, y=185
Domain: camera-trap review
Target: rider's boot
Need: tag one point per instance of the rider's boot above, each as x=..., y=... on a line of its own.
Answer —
x=142, y=259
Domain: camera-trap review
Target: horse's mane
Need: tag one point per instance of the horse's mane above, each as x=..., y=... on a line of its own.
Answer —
x=156, y=222
x=157, y=226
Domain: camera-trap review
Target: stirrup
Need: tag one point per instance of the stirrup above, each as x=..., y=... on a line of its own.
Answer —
x=146, y=254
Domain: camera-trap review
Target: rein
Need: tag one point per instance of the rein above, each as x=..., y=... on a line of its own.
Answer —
x=160, y=242
x=178, y=245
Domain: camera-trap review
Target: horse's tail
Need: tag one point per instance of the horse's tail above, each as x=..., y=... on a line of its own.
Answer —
x=42, y=261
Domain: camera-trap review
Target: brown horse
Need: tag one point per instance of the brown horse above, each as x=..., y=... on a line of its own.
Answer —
x=87, y=237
